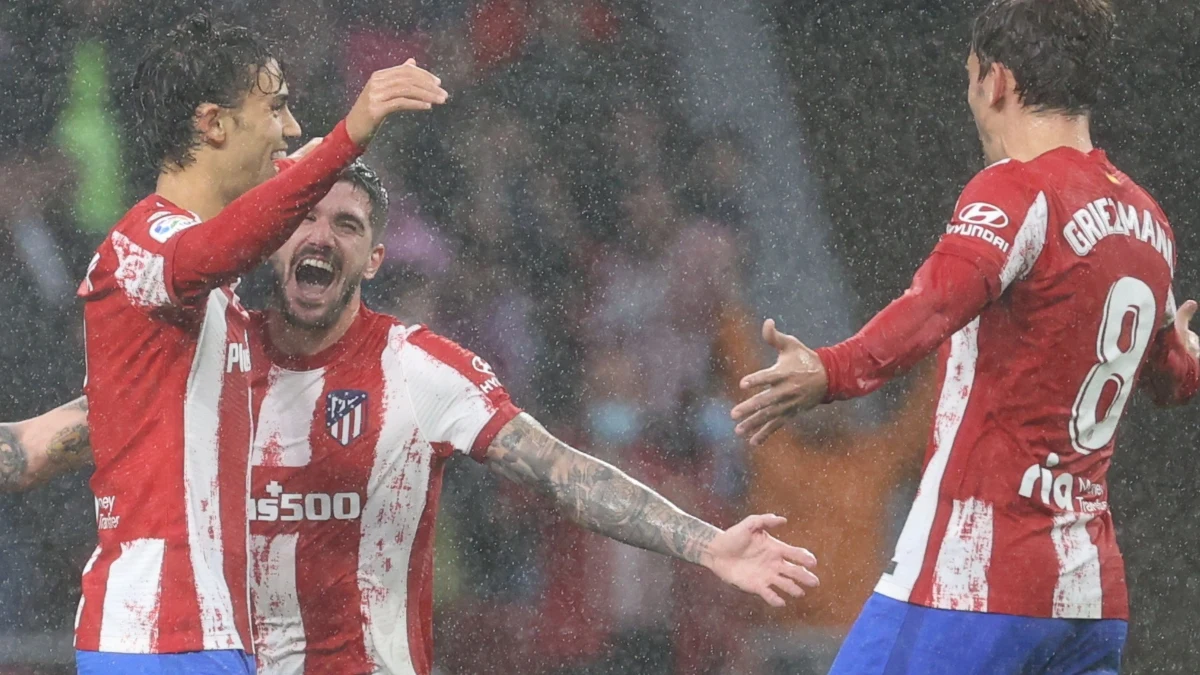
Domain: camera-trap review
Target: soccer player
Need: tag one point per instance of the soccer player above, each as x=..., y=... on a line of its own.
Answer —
x=357, y=415
x=168, y=343
x=1050, y=295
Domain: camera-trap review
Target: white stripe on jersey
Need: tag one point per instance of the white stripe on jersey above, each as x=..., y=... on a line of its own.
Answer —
x=202, y=499
x=280, y=625
x=952, y=406
x=284, y=432
x=1078, y=593
x=1027, y=245
x=391, y=516
x=960, y=578
x=131, y=598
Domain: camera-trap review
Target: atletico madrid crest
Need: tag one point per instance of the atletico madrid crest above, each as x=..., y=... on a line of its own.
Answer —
x=345, y=414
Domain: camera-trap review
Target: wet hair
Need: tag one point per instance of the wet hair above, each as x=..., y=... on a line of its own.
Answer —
x=1055, y=49
x=199, y=61
x=364, y=178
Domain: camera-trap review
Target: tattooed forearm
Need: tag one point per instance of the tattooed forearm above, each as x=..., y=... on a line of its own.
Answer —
x=71, y=446
x=38, y=449
x=597, y=495
x=13, y=461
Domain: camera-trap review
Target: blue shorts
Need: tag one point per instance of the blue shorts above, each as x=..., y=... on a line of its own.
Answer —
x=892, y=637
x=218, y=662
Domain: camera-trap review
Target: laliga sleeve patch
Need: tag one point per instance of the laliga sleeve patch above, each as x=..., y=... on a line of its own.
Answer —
x=162, y=229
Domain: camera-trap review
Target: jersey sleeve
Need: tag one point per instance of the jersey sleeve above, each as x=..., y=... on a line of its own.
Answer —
x=457, y=397
x=999, y=225
x=199, y=256
x=946, y=294
x=133, y=261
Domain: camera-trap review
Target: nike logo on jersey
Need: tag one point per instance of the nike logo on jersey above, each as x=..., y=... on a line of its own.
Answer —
x=1106, y=217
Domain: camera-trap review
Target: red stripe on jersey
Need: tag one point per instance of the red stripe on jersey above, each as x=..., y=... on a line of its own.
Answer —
x=327, y=551
x=91, y=612
x=420, y=576
x=233, y=432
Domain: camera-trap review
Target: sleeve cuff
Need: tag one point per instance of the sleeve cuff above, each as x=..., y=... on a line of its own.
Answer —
x=487, y=434
x=829, y=359
x=340, y=136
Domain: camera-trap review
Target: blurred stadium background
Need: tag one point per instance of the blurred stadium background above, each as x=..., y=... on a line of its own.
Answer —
x=617, y=194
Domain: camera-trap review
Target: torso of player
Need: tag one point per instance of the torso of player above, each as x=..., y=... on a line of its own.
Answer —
x=168, y=388
x=1018, y=521
x=344, y=492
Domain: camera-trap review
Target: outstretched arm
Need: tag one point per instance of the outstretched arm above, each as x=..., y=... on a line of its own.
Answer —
x=603, y=499
x=946, y=294
x=35, y=450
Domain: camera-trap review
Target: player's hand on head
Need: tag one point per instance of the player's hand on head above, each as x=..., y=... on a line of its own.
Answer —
x=1183, y=317
x=747, y=557
x=797, y=382
x=403, y=87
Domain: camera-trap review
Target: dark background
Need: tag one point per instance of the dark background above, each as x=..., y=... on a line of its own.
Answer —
x=534, y=216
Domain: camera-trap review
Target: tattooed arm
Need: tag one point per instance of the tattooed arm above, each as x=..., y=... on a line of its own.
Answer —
x=601, y=498
x=35, y=450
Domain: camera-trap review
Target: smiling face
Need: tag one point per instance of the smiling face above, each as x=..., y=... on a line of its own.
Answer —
x=258, y=130
x=319, y=271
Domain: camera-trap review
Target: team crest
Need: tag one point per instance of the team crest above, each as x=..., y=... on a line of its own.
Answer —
x=345, y=414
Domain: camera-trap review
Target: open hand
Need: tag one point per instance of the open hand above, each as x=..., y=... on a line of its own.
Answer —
x=403, y=87
x=747, y=557
x=796, y=382
x=1183, y=316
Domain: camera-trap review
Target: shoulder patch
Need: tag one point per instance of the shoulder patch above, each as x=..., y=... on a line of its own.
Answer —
x=163, y=227
x=983, y=213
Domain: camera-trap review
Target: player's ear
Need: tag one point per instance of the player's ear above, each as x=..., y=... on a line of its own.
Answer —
x=374, y=262
x=210, y=123
x=1003, y=85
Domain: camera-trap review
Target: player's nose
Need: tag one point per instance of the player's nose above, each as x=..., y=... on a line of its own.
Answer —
x=291, y=128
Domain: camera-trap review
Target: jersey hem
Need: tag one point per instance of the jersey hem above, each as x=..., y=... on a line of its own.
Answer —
x=182, y=645
x=889, y=588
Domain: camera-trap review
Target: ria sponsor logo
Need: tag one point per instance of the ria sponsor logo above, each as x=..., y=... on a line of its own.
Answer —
x=1062, y=488
x=294, y=506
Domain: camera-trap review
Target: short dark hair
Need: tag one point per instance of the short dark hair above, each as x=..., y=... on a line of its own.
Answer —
x=360, y=175
x=1055, y=49
x=199, y=61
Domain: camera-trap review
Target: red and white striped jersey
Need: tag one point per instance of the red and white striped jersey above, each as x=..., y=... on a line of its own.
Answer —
x=1012, y=514
x=169, y=408
x=347, y=465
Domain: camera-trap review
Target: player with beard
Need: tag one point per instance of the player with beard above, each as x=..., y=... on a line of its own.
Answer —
x=357, y=415
x=1050, y=297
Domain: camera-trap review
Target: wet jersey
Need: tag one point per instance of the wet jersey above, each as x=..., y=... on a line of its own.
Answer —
x=168, y=388
x=1012, y=513
x=347, y=466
